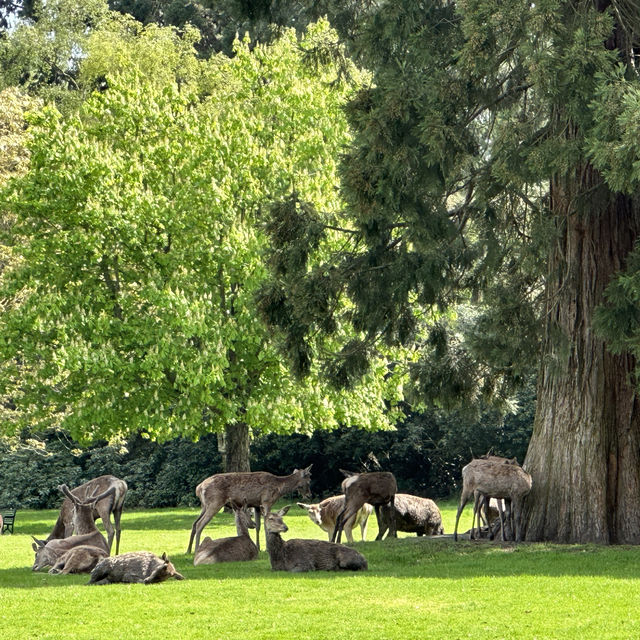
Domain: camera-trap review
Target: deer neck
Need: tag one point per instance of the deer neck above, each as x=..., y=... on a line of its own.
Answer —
x=275, y=548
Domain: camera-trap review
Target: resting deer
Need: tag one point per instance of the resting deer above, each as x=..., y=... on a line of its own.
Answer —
x=257, y=489
x=47, y=553
x=299, y=555
x=378, y=488
x=112, y=504
x=494, y=479
x=137, y=566
x=80, y=559
x=324, y=514
x=234, y=549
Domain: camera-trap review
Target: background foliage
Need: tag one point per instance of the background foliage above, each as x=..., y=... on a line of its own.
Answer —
x=426, y=453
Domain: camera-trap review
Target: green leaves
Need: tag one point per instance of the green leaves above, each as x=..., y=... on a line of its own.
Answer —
x=140, y=224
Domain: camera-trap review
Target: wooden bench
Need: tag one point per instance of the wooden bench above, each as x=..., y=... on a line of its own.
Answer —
x=7, y=519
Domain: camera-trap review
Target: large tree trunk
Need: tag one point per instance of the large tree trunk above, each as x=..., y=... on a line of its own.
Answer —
x=584, y=455
x=236, y=453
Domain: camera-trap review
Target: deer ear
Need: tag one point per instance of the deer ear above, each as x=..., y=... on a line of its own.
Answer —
x=164, y=557
x=40, y=543
x=284, y=510
x=347, y=474
x=308, y=469
x=302, y=505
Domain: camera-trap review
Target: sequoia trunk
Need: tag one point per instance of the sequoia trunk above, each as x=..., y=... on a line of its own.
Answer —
x=584, y=454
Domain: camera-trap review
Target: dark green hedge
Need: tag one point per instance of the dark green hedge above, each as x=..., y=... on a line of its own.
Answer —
x=426, y=454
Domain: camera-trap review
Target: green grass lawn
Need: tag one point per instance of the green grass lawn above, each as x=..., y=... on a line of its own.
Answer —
x=415, y=588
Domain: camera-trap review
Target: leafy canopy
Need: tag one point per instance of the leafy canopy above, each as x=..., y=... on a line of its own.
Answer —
x=139, y=225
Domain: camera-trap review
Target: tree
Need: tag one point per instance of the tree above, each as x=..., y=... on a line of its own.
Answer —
x=139, y=225
x=494, y=165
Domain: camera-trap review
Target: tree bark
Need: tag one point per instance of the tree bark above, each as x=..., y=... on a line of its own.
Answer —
x=584, y=454
x=236, y=454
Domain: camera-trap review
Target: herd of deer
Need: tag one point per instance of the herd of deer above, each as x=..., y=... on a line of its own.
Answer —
x=77, y=546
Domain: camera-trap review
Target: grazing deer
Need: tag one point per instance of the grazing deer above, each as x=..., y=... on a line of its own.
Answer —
x=324, y=514
x=47, y=553
x=137, y=566
x=112, y=504
x=494, y=479
x=414, y=514
x=306, y=555
x=378, y=488
x=257, y=489
x=234, y=549
x=80, y=559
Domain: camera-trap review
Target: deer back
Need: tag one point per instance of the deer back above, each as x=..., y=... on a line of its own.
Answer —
x=496, y=479
x=253, y=488
x=376, y=487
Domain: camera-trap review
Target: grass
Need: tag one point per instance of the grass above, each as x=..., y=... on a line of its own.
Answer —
x=415, y=588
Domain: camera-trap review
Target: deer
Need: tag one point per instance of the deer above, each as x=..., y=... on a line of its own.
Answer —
x=234, y=549
x=299, y=555
x=494, y=479
x=378, y=488
x=112, y=504
x=414, y=514
x=256, y=489
x=324, y=514
x=141, y=567
x=80, y=559
x=47, y=553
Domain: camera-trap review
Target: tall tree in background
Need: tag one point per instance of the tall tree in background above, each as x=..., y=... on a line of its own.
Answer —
x=139, y=224
x=495, y=162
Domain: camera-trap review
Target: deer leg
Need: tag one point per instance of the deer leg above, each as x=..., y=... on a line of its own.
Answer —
x=382, y=524
x=464, y=498
x=208, y=511
x=348, y=528
x=106, y=523
x=342, y=518
x=257, y=513
x=117, y=515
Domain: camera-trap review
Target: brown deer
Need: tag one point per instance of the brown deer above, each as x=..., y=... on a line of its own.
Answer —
x=137, y=566
x=80, y=559
x=234, y=549
x=48, y=553
x=299, y=555
x=112, y=504
x=324, y=514
x=256, y=489
x=378, y=488
x=494, y=479
x=414, y=514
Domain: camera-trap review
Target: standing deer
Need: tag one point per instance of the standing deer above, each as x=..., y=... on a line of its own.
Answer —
x=112, y=504
x=234, y=549
x=47, y=553
x=494, y=479
x=257, y=489
x=324, y=514
x=378, y=488
x=299, y=555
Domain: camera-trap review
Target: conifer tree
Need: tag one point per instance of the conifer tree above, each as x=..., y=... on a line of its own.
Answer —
x=492, y=191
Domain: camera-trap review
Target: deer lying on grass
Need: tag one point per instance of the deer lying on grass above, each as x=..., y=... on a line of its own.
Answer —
x=234, y=549
x=257, y=489
x=299, y=555
x=324, y=514
x=378, y=488
x=80, y=559
x=48, y=553
x=138, y=566
x=414, y=514
x=112, y=504
x=494, y=479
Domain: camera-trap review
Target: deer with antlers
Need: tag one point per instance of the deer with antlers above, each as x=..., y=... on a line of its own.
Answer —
x=104, y=507
x=256, y=489
x=84, y=526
